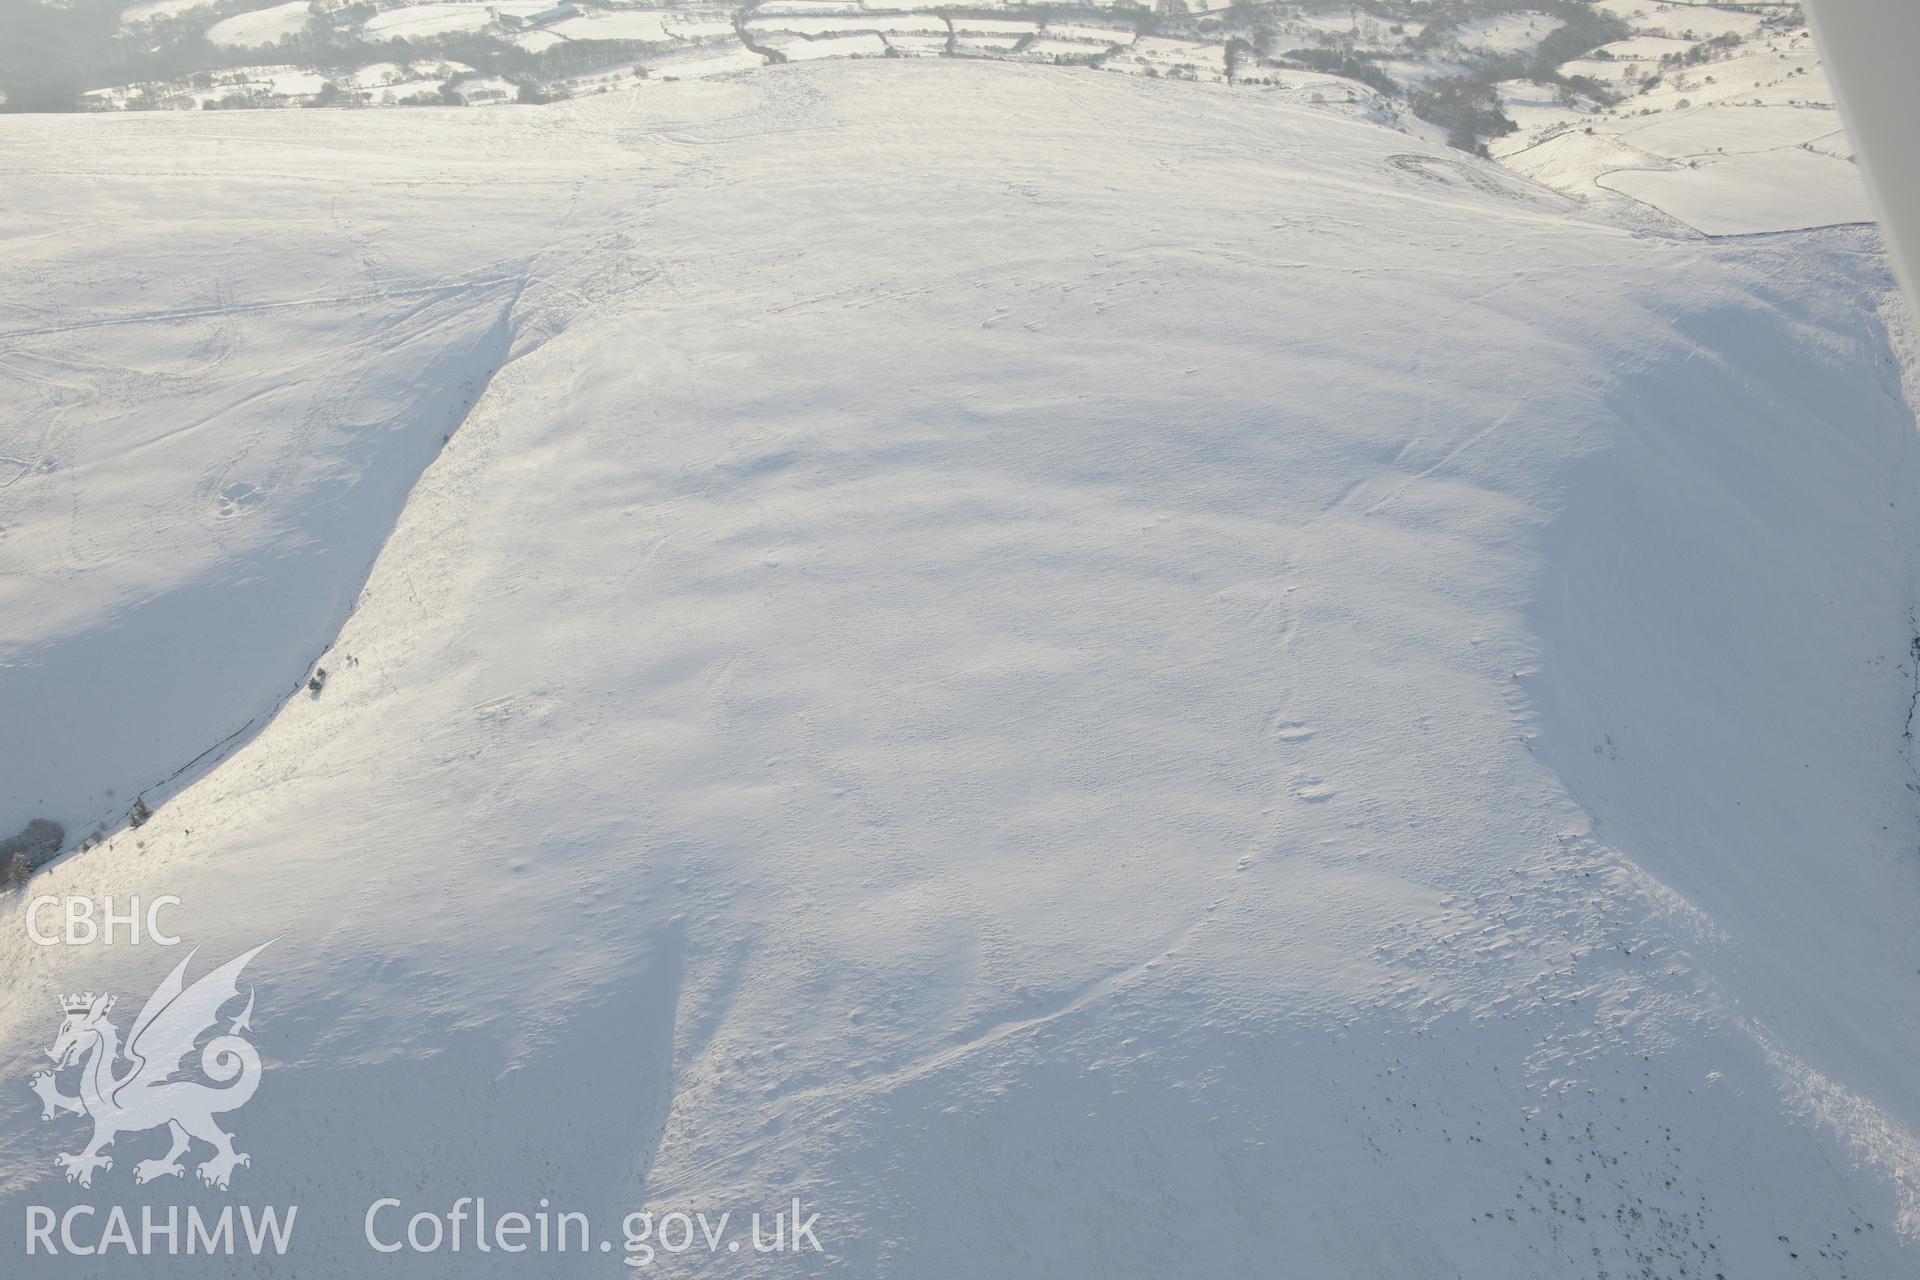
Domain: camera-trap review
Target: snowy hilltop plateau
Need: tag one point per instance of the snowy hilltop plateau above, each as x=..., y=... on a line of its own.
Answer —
x=1088, y=675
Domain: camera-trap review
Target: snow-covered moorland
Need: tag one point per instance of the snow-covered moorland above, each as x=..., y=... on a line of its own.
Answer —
x=1716, y=118
x=1091, y=676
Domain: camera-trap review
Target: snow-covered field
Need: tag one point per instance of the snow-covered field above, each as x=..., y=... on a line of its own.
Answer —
x=808, y=48
x=415, y=20
x=1093, y=677
x=1744, y=139
x=1744, y=194
x=706, y=60
x=1513, y=32
x=147, y=10
x=260, y=26
x=614, y=24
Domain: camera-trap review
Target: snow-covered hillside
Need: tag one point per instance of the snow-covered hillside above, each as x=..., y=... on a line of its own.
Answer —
x=1092, y=676
x=1715, y=118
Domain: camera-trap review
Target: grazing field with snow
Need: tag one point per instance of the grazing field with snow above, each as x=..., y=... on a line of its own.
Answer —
x=1090, y=676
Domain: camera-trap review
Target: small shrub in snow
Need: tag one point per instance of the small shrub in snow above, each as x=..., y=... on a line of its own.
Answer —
x=35, y=845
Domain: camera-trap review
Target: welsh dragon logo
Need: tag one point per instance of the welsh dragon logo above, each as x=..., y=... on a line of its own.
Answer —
x=138, y=1087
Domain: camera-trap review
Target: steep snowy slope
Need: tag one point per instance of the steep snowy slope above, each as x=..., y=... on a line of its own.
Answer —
x=1092, y=677
x=199, y=455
